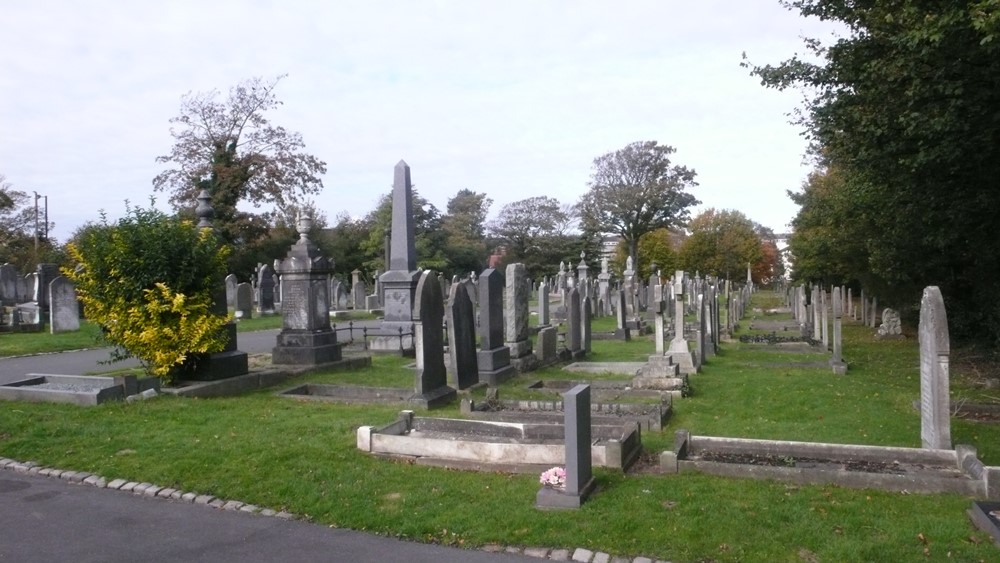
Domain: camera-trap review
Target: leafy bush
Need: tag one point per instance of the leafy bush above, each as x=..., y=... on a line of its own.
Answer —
x=149, y=281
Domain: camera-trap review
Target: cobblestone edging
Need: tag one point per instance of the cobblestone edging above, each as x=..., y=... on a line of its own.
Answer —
x=578, y=555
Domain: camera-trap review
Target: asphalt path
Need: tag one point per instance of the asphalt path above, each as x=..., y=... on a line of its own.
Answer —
x=48, y=519
x=88, y=362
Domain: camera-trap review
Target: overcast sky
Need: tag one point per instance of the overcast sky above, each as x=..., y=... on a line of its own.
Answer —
x=511, y=98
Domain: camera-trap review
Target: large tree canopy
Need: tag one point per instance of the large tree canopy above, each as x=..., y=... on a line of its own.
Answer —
x=234, y=145
x=536, y=232
x=903, y=110
x=722, y=243
x=637, y=190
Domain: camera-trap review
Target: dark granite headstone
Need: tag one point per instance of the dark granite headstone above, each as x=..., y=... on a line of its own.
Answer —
x=243, y=302
x=494, y=357
x=462, y=351
x=265, y=290
x=579, y=466
x=431, y=389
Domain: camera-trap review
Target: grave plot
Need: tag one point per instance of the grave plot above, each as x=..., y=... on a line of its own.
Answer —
x=495, y=445
x=648, y=416
x=915, y=470
x=352, y=394
x=75, y=389
x=613, y=391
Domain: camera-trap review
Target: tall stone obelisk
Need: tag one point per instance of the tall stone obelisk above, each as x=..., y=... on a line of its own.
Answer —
x=400, y=281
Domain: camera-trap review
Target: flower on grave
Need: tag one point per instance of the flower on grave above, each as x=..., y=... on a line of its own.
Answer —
x=554, y=478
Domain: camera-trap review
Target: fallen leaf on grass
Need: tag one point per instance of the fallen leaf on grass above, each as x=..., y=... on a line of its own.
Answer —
x=668, y=504
x=808, y=556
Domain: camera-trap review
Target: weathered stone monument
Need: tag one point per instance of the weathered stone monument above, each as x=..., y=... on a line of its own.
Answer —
x=243, y=301
x=400, y=281
x=579, y=466
x=543, y=304
x=679, y=351
x=462, y=353
x=64, y=310
x=891, y=327
x=229, y=362
x=359, y=291
x=265, y=290
x=516, y=310
x=231, y=283
x=9, y=281
x=604, y=289
x=494, y=356
x=837, y=361
x=574, y=330
x=431, y=387
x=935, y=348
x=306, y=337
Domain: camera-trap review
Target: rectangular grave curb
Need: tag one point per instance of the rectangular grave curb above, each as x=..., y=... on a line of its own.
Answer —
x=493, y=443
x=967, y=474
x=100, y=389
x=260, y=378
x=647, y=416
x=349, y=394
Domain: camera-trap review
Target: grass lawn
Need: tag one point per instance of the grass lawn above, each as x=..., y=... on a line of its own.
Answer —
x=301, y=456
x=23, y=344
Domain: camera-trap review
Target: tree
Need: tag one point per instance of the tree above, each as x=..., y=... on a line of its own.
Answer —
x=232, y=150
x=636, y=190
x=655, y=247
x=522, y=226
x=722, y=243
x=465, y=231
x=149, y=281
x=429, y=237
x=904, y=107
x=17, y=231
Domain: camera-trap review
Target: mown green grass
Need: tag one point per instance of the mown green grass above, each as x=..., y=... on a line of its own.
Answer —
x=26, y=343
x=301, y=456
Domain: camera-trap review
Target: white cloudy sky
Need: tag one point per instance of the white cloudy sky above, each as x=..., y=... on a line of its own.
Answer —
x=514, y=98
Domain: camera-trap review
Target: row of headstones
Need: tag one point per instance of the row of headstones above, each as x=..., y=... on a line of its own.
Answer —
x=678, y=294
x=31, y=287
x=263, y=293
x=63, y=313
x=505, y=346
x=935, y=350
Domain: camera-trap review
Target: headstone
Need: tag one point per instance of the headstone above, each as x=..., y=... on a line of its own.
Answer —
x=359, y=292
x=64, y=312
x=431, y=388
x=579, y=468
x=462, y=353
x=545, y=349
x=837, y=361
x=494, y=357
x=243, y=302
x=516, y=338
x=574, y=330
x=679, y=351
x=587, y=313
x=935, y=347
x=9, y=278
x=265, y=290
x=623, y=331
x=400, y=281
x=306, y=337
x=891, y=327
x=43, y=277
x=231, y=283
x=543, y=304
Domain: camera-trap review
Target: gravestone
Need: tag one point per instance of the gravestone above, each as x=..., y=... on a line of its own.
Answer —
x=679, y=351
x=622, y=331
x=462, y=353
x=335, y=289
x=359, y=292
x=824, y=319
x=265, y=290
x=546, y=349
x=43, y=277
x=243, y=302
x=400, y=281
x=891, y=327
x=574, y=330
x=494, y=357
x=604, y=289
x=431, y=382
x=9, y=278
x=837, y=361
x=230, y=361
x=516, y=312
x=543, y=304
x=935, y=347
x=586, y=312
x=579, y=466
x=306, y=337
x=231, y=284
x=64, y=311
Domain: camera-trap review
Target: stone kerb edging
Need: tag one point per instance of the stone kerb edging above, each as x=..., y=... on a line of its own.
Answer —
x=144, y=489
x=155, y=491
